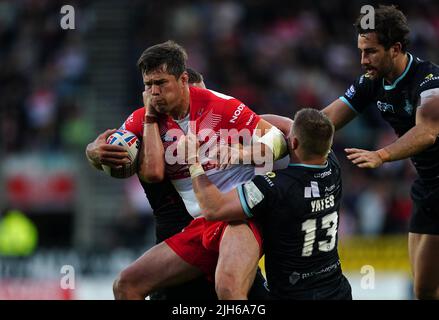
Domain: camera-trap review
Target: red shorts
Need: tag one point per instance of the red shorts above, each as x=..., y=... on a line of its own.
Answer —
x=198, y=243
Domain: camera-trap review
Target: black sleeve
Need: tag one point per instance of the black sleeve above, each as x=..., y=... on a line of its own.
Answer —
x=427, y=78
x=359, y=95
x=257, y=195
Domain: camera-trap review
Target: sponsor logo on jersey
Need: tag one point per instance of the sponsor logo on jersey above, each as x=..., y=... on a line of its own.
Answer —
x=270, y=183
x=270, y=174
x=250, y=119
x=350, y=92
x=322, y=175
x=237, y=113
x=361, y=79
x=429, y=78
x=312, y=191
x=408, y=107
x=385, y=107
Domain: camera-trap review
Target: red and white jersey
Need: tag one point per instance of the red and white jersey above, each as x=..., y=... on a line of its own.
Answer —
x=210, y=113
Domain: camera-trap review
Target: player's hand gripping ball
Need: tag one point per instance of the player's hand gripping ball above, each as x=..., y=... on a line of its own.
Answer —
x=131, y=143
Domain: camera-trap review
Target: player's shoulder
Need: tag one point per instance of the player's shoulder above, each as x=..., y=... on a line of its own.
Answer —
x=333, y=167
x=136, y=116
x=204, y=100
x=134, y=121
x=364, y=84
x=274, y=185
x=138, y=112
x=426, y=73
x=208, y=95
x=365, y=81
x=425, y=65
x=332, y=159
x=281, y=179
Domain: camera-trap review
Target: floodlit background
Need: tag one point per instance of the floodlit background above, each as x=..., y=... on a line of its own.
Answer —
x=60, y=88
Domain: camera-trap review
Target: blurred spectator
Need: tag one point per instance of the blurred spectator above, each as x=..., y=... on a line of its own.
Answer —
x=371, y=208
x=41, y=64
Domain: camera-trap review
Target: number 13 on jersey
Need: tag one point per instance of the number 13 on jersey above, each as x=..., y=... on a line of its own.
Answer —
x=329, y=223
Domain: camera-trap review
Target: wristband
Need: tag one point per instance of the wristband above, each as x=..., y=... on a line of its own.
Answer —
x=196, y=170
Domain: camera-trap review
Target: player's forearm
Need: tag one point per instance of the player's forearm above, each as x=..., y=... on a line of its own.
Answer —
x=412, y=142
x=208, y=197
x=339, y=113
x=257, y=153
x=152, y=160
x=284, y=124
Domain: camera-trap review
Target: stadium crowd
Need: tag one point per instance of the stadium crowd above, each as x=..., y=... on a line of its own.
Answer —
x=42, y=74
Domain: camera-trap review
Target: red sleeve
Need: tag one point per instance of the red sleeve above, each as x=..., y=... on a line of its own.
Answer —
x=238, y=116
x=134, y=122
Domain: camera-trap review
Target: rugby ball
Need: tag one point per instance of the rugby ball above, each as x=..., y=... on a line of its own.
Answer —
x=131, y=143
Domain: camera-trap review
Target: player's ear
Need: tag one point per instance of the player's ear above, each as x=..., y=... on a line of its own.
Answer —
x=294, y=143
x=396, y=49
x=184, y=78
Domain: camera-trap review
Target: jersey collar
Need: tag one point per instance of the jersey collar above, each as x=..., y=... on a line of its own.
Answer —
x=315, y=166
x=392, y=86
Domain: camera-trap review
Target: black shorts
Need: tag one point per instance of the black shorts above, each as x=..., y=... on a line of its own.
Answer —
x=425, y=215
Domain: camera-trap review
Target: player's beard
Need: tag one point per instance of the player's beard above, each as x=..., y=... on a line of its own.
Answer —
x=386, y=67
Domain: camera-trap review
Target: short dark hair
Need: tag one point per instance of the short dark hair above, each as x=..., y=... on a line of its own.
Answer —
x=314, y=131
x=168, y=54
x=390, y=26
x=194, y=76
